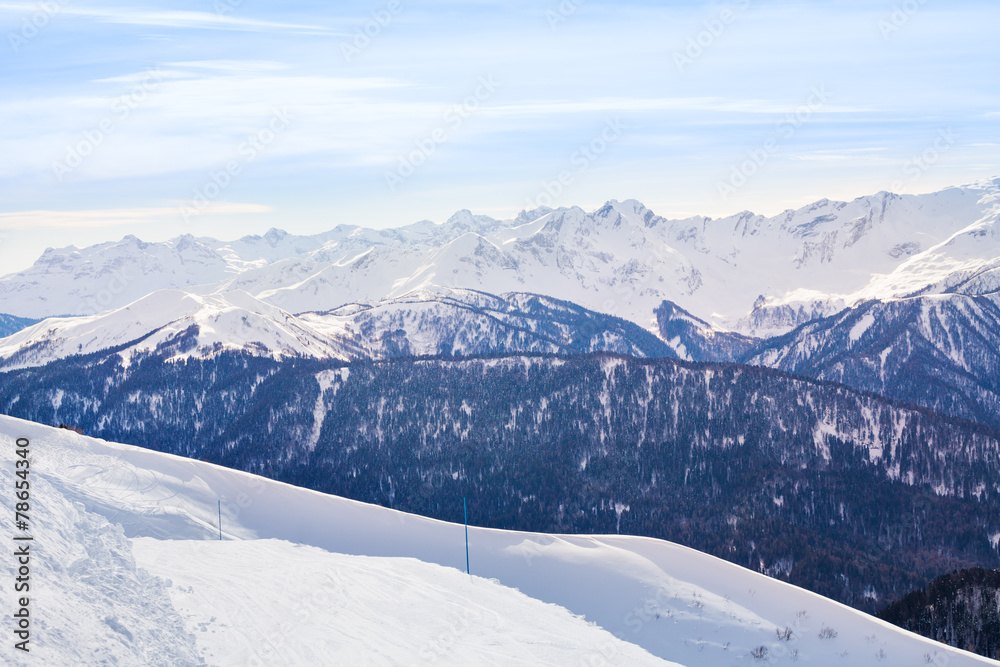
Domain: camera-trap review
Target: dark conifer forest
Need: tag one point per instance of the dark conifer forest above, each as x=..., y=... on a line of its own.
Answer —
x=845, y=493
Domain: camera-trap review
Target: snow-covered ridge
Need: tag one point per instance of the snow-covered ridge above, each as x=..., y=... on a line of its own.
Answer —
x=941, y=351
x=759, y=275
x=177, y=324
x=343, y=570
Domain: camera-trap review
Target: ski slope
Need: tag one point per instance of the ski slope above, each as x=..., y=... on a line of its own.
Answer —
x=304, y=578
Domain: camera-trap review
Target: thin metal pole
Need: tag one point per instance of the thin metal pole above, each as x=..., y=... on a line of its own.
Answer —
x=220, y=520
x=465, y=508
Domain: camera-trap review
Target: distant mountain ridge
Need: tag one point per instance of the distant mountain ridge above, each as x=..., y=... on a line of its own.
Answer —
x=757, y=275
x=9, y=324
x=693, y=339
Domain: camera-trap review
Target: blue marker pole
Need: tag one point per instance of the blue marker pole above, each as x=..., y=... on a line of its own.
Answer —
x=465, y=508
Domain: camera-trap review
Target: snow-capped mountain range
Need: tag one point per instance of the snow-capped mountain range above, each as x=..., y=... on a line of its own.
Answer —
x=748, y=273
x=302, y=578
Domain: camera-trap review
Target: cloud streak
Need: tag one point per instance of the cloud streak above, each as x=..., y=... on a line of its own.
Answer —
x=177, y=19
x=42, y=219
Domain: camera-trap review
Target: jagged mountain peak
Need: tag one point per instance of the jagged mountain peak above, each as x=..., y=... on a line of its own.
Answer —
x=273, y=235
x=525, y=216
x=468, y=220
x=626, y=206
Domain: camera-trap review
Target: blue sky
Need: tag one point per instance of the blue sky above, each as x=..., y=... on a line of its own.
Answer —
x=227, y=117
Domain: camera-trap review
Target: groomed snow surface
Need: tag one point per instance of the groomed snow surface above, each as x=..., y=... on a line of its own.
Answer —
x=127, y=569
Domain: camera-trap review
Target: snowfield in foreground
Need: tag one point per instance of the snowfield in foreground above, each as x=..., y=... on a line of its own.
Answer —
x=270, y=602
x=302, y=578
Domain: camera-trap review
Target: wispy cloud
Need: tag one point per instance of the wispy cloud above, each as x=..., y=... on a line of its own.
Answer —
x=177, y=19
x=644, y=105
x=867, y=153
x=113, y=217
